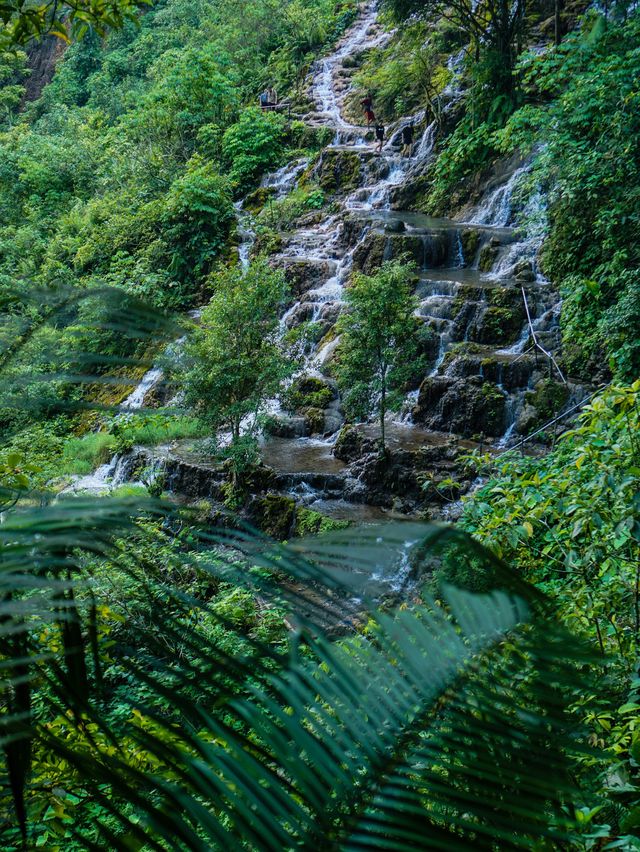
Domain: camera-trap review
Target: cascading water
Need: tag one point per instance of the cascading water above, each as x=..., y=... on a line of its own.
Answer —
x=496, y=208
x=324, y=90
x=305, y=465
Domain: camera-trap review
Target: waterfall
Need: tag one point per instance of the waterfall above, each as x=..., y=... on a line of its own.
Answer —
x=246, y=233
x=321, y=257
x=284, y=179
x=324, y=92
x=496, y=209
x=135, y=399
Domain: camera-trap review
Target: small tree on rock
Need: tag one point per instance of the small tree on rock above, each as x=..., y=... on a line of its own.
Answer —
x=235, y=360
x=382, y=343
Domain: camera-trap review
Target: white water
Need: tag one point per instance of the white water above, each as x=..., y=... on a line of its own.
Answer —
x=496, y=209
x=135, y=399
x=324, y=88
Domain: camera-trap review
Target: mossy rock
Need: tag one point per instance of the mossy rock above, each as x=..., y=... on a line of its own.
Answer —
x=267, y=242
x=470, y=240
x=465, y=406
x=350, y=444
x=506, y=297
x=370, y=253
x=488, y=255
x=338, y=170
x=465, y=294
x=274, y=514
x=548, y=398
x=309, y=522
x=308, y=392
x=315, y=420
x=499, y=326
x=255, y=201
x=304, y=136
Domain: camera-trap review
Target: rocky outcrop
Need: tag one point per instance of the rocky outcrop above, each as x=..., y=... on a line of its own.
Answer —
x=338, y=170
x=463, y=406
x=426, y=251
x=303, y=274
x=42, y=59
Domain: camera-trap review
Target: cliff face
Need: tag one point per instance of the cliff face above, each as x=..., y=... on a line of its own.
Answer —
x=43, y=57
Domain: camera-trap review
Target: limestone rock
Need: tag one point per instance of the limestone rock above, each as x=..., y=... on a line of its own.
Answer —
x=274, y=514
x=465, y=407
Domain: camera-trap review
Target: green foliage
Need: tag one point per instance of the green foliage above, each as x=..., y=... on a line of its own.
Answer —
x=207, y=696
x=284, y=213
x=571, y=523
x=20, y=23
x=310, y=522
x=307, y=392
x=114, y=175
x=236, y=361
x=199, y=215
x=152, y=429
x=494, y=28
x=570, y=519
x=12, y=74
x=589, y=167
x=408, y=71
x=380, y=346
x=468, y=150
x=252, y=146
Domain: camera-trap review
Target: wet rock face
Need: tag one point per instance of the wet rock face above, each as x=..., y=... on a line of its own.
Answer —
x=385, y=476
x=370, y=254
x=303, y=312
x=160, y=394
x=351, y=444
x=488, y=255
x=285, y=426
x=492, y=316
x=542, y=404
x=512, y=373
x=303, y=275
x=338, y=170
x=464, y=406
x=315, y=401
x=426, y=251
x=274, y=514
x=469, y=240
x=192, y=480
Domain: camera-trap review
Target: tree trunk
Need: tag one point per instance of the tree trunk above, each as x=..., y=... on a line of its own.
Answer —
x=557, y=24
x=383, y=411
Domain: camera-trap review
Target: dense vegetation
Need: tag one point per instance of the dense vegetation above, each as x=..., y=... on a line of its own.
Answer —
x=123, y=173
x=175, y=680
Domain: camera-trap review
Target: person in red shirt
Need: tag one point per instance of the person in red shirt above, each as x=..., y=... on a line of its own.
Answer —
x=367, y=105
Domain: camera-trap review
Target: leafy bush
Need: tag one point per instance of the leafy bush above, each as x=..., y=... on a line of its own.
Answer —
x=198, y=215
x=252, y=145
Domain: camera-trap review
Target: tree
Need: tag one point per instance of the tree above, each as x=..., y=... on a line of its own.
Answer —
x=22, y=22
x=380, y=348
x=198, y=218
x=235, y=359
x=495, y=26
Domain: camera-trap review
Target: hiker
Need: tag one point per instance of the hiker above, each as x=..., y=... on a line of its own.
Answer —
x=380, y=136
x=367, y=106
x=407, y=139
x=273, y=97
x=263, y=99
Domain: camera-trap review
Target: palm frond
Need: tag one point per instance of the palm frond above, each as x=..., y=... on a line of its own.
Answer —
x=442, y=725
